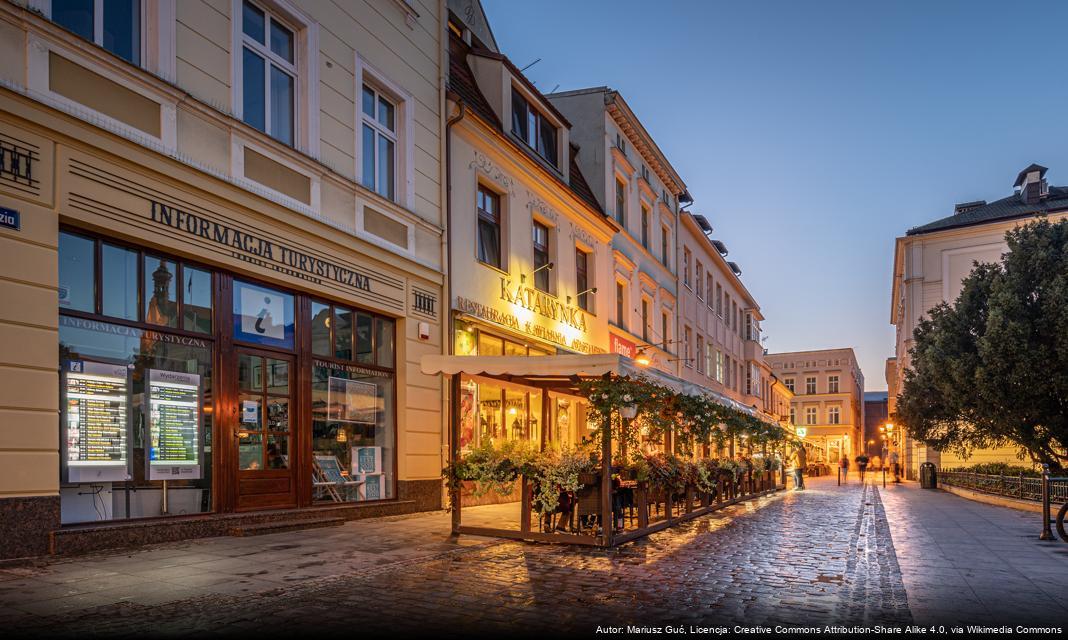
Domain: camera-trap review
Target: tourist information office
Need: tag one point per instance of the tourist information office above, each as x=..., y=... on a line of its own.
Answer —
x=217, y=353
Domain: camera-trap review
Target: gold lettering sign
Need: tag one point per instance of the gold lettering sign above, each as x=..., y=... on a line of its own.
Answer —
x=543, y=304
x=509, y=321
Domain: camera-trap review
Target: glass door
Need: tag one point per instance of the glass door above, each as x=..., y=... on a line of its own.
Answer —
x=265, y=437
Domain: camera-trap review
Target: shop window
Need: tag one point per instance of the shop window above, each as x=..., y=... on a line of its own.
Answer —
x=196, y=299
x=490, y=345
x=384, y=348
x=353, y=405
x=353, y=429
x=77, y=269
x=320, y=329
x=137, y=407
x=172, y=294
x=263, y=316
x=346, y=334
x=514, y=349
x=161, y=292
x=342, y=324
x=491, y=413
x=119, y=278
x=114, y=25
x=364, y=338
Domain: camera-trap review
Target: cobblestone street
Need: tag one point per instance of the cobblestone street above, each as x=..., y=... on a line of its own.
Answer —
x=823, y=556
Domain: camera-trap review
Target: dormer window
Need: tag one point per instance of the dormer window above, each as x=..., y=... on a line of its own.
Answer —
x=533, y=128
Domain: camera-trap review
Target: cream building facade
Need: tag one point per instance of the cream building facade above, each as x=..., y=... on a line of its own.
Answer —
x=719, y=323
x=223, y=259
x=637, y=187
x=531, y=249
x=930, y=263
x=828, y=401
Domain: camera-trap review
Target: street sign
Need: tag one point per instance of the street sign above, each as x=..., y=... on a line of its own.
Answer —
x=10, y=219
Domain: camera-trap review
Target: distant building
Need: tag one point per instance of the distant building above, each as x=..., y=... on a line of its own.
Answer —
x=931, y=261
x=875, y=416
x=829, y=399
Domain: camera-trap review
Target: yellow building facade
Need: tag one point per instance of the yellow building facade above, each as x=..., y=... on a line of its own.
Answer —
x=223, y=252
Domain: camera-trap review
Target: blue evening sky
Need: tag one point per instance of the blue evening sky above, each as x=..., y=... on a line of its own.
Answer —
x=811, y=134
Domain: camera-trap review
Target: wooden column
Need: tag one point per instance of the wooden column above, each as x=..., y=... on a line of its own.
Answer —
x=524, y=502
x=607, y=521
x=454, y=445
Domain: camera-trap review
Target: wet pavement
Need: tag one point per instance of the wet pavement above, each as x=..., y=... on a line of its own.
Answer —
x=848, y=555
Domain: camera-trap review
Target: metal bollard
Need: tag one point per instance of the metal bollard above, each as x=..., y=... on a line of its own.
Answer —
x=884, y=476
x=839, y=475
x=1047, y=533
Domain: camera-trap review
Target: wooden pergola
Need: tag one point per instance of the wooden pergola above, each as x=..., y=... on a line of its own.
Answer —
x=563, y=373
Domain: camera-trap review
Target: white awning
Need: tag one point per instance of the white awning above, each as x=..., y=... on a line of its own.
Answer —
x=562, y=367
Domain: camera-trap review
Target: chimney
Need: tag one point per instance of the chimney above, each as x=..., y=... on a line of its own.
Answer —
x=1031, y=184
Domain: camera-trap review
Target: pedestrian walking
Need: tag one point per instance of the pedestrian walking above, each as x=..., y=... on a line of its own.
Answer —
x=843, y=464
x=800, y=463
x=894, y=467
x=862, y=465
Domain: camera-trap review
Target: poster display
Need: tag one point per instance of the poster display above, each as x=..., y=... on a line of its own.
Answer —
x=96, y=403
x=173, y=400
x=352, y=401
x=366, y=460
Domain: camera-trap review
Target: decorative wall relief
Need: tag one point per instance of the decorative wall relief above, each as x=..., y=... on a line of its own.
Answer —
x=484, y=165
x=537, y=204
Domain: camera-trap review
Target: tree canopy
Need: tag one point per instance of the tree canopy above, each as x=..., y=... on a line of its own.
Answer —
x=991, y=368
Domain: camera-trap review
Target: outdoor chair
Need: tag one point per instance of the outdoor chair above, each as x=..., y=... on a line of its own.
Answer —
x=328, y=479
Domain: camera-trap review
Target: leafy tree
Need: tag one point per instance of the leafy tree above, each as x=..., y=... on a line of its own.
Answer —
x=992, y=368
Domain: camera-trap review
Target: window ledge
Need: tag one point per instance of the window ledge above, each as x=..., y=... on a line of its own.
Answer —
x=410, y=14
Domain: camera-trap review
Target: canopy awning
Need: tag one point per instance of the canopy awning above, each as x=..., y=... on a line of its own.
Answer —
x=565, y=366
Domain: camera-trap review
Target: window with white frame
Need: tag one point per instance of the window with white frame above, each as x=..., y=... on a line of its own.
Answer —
x=699, y=280
x=719, y=300
x=810, y=415
x=719, y=366
x=789, y=383
x=793, y=415
x=832, y=384
x=645, y=319
x=542, y=268
x=686, y=255
x=268, y=73
x=621, y=203
x=810, y=385
x=833, y=415
x=710, y=359
x=709, y=287
x=114, y=25
x=687, y=346
x=378, y=142
x=665, y=330
x=700, y=354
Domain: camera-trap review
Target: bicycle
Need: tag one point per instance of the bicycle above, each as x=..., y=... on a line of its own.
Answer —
x=1060, y=522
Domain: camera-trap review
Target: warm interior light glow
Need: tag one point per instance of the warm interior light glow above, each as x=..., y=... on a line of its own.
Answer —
x=642, y=360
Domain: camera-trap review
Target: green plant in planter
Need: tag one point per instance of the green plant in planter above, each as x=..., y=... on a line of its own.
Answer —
x=708, y=472
x=556, y=472
x=492, y=468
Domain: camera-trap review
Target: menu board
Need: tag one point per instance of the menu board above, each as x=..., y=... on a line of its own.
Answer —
x=173, y=400
x=96, y=405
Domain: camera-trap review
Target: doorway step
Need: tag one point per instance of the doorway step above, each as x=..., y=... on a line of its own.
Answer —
x=282, y=526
